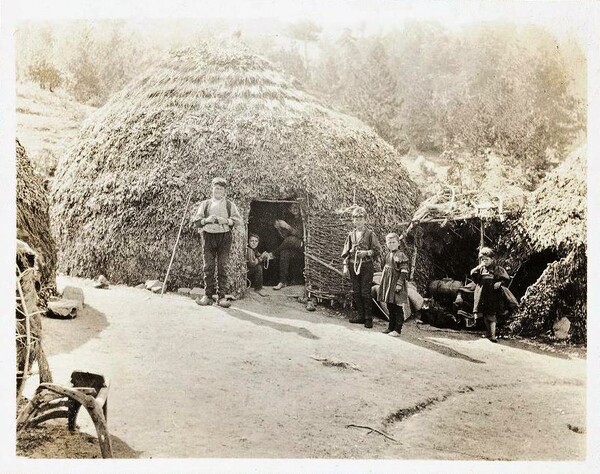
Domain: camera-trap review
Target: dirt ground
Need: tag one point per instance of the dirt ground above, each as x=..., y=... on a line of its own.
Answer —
x=266, y=379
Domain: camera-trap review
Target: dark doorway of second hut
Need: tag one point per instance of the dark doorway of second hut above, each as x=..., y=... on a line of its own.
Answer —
x=260, y=221
x=528, y=271
x=453, y=247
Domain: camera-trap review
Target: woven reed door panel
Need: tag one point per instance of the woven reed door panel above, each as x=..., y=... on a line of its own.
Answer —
x=325, y=240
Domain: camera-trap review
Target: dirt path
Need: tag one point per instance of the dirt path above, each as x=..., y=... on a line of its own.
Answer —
x=243, y=382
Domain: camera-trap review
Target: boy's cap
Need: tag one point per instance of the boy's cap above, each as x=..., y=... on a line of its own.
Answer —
x=359, y=212
x=219, y=182
x=486, y=252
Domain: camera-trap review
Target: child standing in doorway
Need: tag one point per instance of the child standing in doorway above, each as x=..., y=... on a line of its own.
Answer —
x=489, y=277
x=254, y=262
x=395, y=270
x=360, y=250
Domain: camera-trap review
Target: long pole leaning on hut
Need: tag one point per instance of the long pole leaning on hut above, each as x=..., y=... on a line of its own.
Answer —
x=482, y=233
x=164, y=285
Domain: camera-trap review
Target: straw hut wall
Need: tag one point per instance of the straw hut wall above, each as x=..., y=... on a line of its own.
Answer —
x=548, y=244
x=33, y=221
x=120, y=194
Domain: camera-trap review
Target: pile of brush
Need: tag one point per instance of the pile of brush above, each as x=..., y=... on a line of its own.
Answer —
x=554, y=221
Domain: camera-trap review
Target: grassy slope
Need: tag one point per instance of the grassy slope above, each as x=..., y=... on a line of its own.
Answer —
x=47, y=122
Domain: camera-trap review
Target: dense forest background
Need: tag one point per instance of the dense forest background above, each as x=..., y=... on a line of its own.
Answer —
x=457, y=95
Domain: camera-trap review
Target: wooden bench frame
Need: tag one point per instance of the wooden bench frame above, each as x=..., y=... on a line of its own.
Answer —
x=55, y=401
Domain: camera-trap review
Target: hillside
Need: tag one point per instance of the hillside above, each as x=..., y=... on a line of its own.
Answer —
x=47, y=122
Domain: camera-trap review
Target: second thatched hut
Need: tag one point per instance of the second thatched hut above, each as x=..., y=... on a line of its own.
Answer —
x=218, y=111
x=548, y=247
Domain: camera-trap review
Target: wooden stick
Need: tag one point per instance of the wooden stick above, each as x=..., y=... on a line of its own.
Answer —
x=27, y=339
x=381, y=309
x=372, y=429
x=482, y=233
x=413, y=262
x=43, y=365
x=162, y=291
x=326, y=265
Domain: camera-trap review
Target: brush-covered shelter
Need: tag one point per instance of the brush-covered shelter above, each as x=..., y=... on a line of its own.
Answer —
x=548, y=244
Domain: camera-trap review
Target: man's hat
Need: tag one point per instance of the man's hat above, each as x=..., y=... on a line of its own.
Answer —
x=359, y=212
x=219, y=182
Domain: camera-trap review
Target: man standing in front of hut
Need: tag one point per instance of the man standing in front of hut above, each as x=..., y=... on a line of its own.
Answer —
x=216, y=218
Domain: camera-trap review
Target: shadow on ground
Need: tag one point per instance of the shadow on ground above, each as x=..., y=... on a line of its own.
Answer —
x=441, y=349
x=65, y=335
x=283, y=305
x=246, y=316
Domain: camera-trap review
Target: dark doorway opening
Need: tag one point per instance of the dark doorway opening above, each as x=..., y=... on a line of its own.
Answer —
x=530, y=270
x=260, y=221
x=453, y=247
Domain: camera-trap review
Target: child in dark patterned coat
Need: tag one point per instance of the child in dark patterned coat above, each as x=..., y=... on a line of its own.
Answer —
x=489, y=277
x=395, y=270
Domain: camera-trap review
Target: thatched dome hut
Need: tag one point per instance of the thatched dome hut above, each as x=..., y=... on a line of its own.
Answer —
x=549, y=247
x=120, y=194
x=33, y=222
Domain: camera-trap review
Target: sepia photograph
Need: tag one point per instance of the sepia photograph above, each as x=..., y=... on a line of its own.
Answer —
x=299, y=236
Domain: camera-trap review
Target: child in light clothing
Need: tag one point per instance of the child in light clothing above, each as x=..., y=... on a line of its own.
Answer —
x=395, y=270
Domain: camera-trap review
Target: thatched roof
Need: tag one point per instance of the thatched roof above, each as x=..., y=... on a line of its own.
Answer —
x=120, y=193
x=33, y=222
x=556, y=212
